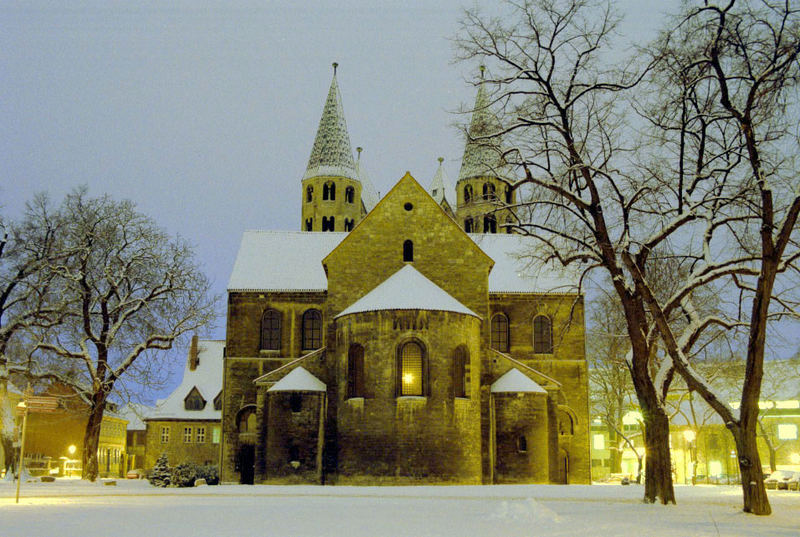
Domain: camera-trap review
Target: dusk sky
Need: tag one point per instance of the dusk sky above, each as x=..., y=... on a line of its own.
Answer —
x=204, y=113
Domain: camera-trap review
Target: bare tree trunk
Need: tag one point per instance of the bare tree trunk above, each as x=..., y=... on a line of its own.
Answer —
x=91, y=439
x=658, y=467
x=7, y=427
x=753, y=489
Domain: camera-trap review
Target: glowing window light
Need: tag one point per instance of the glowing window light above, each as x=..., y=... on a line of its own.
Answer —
x=411, y=369
x=599, y=441
x=787, y=404
x=787, y=431
x=715, y=468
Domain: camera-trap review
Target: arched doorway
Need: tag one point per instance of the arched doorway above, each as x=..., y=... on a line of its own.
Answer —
x=563, y=467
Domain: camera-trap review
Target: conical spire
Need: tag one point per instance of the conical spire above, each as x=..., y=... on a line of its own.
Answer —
x=331, y=154
x=482, y=154
x=440, y=189
x=369, y=196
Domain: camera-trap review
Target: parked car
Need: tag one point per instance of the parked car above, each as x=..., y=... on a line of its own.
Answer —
x=779, y=479
x=793, y=483
x=136, y=473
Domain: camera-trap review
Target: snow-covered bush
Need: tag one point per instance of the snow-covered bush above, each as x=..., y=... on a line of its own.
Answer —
x=185, y=474
x=161, y=476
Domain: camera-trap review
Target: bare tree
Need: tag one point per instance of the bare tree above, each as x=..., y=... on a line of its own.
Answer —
x=132, y=290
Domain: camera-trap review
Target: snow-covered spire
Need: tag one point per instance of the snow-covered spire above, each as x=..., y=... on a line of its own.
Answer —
x=369, y=196
x=441, y=189
x=331, y=154
x=482, y=154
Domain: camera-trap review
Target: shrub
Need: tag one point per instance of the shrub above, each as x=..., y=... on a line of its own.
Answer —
x=161, y=475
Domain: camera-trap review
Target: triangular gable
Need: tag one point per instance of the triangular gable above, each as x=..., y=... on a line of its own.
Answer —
x=299, y=380
x=513, y=381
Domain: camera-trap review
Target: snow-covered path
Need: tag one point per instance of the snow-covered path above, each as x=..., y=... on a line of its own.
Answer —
x=133, y=508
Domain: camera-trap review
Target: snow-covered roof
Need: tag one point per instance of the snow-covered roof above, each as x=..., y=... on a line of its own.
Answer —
x=515, y=381
x=299, y=380
x=13, y=389
x=481, y=156
x=292, y=261
x=135, y=413
x=331, y=154
x=407, y=289
x=207, y=378
x=282, y=261
x=441, y=189
x=369, y=195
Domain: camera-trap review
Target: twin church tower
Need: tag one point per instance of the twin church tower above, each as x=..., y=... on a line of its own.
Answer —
x=337, y=193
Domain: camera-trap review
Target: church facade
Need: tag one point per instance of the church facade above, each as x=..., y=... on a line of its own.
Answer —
x=401, y=340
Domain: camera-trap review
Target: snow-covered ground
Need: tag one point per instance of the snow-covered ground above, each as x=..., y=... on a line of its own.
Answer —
x=71, y=508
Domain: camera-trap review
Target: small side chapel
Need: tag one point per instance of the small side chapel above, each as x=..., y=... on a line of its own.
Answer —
x=383, y=344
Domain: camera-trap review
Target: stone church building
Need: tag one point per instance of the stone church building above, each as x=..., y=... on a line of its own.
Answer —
x=401, y=340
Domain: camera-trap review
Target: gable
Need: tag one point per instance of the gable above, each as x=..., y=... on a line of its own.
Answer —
x=194, y=401
x=373, y=251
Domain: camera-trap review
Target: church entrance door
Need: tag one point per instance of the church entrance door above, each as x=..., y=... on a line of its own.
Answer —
x=247, y=461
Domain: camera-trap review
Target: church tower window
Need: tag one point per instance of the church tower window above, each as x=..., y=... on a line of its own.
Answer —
x=355, y=371
x=542, y=335
x=468, y=225
x=348, y=224
x=271, y=330
x=312, y=330
x=467, y=194
x=460, y=372
x=327, y=223
x=408, y=251
x=309, y=193
x=349, y=194
x=329, y=191
x=488, y=191
x=489, y=224
x=508, y=195
x=309, y=224
x=410, y=371
x=500, y=332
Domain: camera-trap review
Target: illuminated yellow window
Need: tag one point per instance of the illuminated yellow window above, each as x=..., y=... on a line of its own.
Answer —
x=599, y=441
x=411, y=369
x=787, y=431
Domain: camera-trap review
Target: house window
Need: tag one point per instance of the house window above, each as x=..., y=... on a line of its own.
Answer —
x=329, y=191
x=522, y=444
x=165, y=435
x=194, y=401
x=312, y=329
x=488, y=191
x=348, y=224
x=468, y=225
x=201, y=435
x=500, y=332
x=296, y=402
x=460, y=372
x=215, y=435
x=489, y=224
x=408, y=251
x=328, y=223
x=187, y=435
x=309, y=224
x=598, y=441
x=355, y=371
x=787, y=431
x=218, y=401
x=309, y=193
x=411, y=371
x=542, y=335
x=271, y=330
x=349, y=194
x=467, y=193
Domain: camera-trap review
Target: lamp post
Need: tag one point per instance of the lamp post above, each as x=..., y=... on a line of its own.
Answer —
x=690, y=436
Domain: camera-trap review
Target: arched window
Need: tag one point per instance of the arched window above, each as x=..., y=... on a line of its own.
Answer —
x=509, y=196
x=349, y=194
x=467, y=193
x=408, y=251
x=309, y=222
x=542, y=335
x=488, y=191
x=329, y=191
x=309, y=193
x=489, y=224
x=468, y=225
x=410, y=369
x=460, y=372
x=500, y=332
x=327, y=223
x=312, y=330
x=348, y=224
x=565, y=423
x=246, y=421
x=271, y=330
x=355, y=371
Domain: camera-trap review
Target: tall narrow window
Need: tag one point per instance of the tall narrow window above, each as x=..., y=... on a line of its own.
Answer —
x=522, y=443
x=460, y=372
x=247, y=420
x=467, y=193
x=309, y=193
x=488, y=191
x=348, y=224
x=489, y=224
x=355, y=371
x=542, y=335
x=271, y=330
x=349, y=194
x=500, y=332
x=327, y=223
x=411, y=370
x=309, y=223
x=312, y=330
x=509, y=196
x=468, y=225
x=408, y=251
x=165, y=435
x=329, y=191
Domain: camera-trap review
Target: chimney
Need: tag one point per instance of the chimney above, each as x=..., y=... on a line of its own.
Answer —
x=194, y=358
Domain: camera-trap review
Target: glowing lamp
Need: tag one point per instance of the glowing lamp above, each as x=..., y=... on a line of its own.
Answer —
x=408, y=378
x=71, y=450
x=689, y=435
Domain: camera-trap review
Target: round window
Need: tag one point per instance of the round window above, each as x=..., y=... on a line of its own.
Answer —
x=408, y=206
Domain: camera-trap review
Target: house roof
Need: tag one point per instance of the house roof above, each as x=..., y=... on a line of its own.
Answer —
x=517, y=382
x=135, y=414
x=299, y=380
x=407, y=289
x=331, y=154
x=207, y=378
